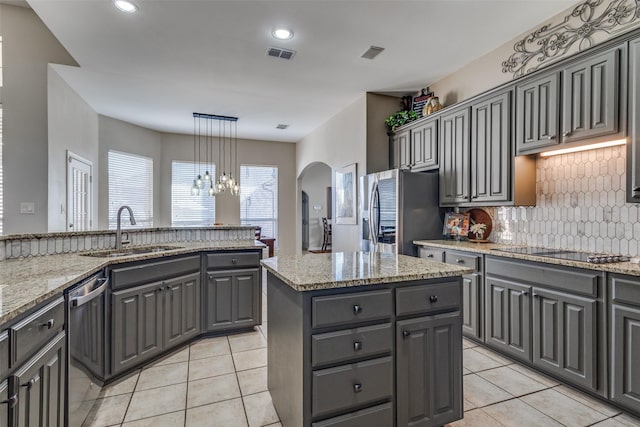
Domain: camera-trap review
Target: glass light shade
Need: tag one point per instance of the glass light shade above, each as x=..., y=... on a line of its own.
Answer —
x=223, y=178
x=207, y=177
x=220, y=187
x=195, y=190
x=231, y=182
x=199, y=181
x=212, y=191
x=235, y=190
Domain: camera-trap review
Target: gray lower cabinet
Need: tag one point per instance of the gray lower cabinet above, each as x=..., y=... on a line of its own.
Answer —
x=472, y=292
x=6, y=404
x=633, y=147
x=40, y=386
x=233, y=299
x=428, y=370
x=454, y=157
x=537, y=114
x=4, y=353
x=564, y=341
x=508, y=311
x=625, y=341
x=152, y=318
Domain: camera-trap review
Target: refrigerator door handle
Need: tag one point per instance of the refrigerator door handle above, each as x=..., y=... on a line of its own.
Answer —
x=374, y=205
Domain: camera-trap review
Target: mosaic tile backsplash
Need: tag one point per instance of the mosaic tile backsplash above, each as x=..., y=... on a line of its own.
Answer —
x=580, y=206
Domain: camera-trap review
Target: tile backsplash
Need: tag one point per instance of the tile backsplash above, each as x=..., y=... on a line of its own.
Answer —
x=580, y=206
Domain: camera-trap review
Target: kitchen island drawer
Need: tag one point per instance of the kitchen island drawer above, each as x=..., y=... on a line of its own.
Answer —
x=35, y=330
x=349, y=386
x=427, y=298
x=4, y=353
x=432, y=254
x=377, y=416
x=461, y=258
x=341, y=346
x=148, y=272
x=233, y=260
x=355, y=307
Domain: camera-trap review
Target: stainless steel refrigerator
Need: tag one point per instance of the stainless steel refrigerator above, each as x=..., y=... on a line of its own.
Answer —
x=398, y=207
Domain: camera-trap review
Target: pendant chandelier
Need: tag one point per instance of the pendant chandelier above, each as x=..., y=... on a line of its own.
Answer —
x=227, y=148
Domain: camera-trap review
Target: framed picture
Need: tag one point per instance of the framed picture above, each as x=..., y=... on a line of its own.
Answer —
x=345, y=198
x=456, y=225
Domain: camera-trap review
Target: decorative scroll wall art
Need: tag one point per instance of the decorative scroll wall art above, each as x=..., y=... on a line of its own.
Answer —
x=589, y=23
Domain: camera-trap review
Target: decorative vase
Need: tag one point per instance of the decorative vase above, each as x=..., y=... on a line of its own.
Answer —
x=435, y=104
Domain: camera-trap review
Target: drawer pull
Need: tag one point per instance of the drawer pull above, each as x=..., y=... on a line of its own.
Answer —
x=357, y=346
x=433, y=298
x=525, y=293
x=460, y=261
x=406, y=334
x=234, y=261
x=29, y=384
x=11, y=401
x=357, y=309
x=357, y=388
x=49, y=324
x=430, y=256
x=535, y=295
x=550, y=137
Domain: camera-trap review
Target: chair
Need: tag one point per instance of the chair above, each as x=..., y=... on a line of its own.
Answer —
x=326, y=239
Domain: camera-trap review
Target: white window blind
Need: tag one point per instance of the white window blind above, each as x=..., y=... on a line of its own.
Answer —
x=1, y=175
x=188, y=210
x=131, y=184
x=259, y=198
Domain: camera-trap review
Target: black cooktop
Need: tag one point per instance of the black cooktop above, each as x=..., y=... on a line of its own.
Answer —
x=565, y=254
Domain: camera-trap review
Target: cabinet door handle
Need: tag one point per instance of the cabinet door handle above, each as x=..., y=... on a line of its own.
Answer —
x=550, y=137
x=357, y=388
x=525, y=293
x=49, y=324
x=535, y=295
x=357, y=309
x=29, y=384
x=433, y=298
x=357, y=346
x=430, y=256
x=460, y=261
x=406, y=334
x=12, y=401
x=566, y=133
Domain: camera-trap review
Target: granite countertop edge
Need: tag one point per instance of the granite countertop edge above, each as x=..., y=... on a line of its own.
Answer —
x=24, y=301
x=494, y=250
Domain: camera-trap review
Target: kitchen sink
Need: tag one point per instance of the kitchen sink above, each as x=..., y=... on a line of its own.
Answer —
x=140, y=250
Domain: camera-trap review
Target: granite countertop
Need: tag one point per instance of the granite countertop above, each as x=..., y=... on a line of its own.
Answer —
x=25, y=283
x=344, y=269
x=494, y=249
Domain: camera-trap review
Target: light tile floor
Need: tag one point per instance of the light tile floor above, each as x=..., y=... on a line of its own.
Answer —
x=223, y=382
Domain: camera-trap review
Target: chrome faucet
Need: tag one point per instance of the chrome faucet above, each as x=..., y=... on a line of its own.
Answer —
x=118, y=229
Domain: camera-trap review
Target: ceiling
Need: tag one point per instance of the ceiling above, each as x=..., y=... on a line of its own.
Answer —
x=173, y=57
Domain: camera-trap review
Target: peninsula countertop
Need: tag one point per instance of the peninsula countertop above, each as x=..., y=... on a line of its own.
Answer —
x=312, y=272
x=25, y=283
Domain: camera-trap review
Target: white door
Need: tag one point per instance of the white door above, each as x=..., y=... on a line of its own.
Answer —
x=79, y=194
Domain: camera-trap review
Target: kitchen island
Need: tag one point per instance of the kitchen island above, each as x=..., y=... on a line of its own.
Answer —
x=358, y=338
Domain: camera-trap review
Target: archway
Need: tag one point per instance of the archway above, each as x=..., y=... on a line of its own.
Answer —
x=315, y=182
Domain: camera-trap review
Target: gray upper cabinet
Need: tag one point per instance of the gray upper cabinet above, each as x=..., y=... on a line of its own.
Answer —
x=491, y=149
x=625, y=340
x=182, y=309
x=429, y=366
x=508, y=311
x=455, y=157
x=537, y=114
x=564, y=341
x=633, y=147
x=137, y=325
x=402, y=142
x=591, y=98
x=424, y=146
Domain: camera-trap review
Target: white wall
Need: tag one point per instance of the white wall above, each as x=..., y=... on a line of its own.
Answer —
x=268, y=153
x=73, y=126
x=128, y=138
x=27, y=47
x=315, y=180
x=340, y=141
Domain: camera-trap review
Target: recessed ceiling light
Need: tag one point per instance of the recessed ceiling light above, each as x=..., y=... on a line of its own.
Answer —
x=125, y=6
x=282, y=33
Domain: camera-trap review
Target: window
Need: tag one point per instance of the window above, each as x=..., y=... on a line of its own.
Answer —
x=131, y=184
x=259, y=198
x=188, y=210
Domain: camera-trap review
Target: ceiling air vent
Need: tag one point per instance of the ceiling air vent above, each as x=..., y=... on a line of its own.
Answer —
x=281, y=126
x=278, y=52
x=372, y=52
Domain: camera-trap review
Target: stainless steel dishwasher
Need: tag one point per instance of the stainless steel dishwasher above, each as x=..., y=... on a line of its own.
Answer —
x=86, y=346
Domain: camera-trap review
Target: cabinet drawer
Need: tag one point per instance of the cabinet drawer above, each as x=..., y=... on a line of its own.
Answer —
x=347, y=386
x=426, y=298
x=377, y=416
x=153, y=271
x=34, y=331
x=4, y=353
x=350, y=308
x=233, y=260
x=461, y=258
x=432, y=254
x=625, y=289
x=341, y=346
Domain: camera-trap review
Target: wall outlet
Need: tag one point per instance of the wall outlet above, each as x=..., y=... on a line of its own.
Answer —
x=27, y=208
